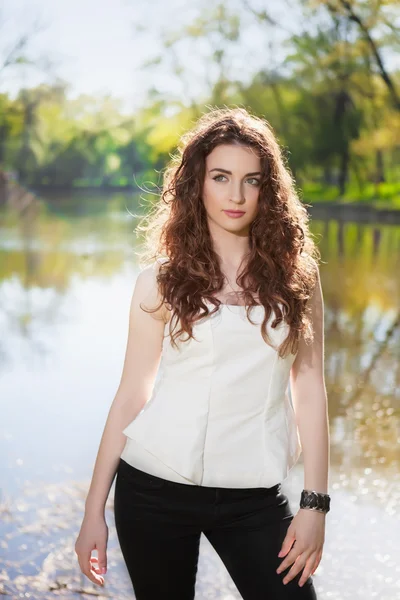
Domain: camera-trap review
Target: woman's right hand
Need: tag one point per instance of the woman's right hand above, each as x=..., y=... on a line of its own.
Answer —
x=93, y=535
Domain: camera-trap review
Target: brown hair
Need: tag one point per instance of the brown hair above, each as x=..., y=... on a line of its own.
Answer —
x=282, y=260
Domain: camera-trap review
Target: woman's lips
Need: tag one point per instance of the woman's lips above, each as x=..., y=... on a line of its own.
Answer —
x=234, y=214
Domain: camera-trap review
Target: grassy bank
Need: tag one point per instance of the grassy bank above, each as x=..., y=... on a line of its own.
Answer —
x=383, y=195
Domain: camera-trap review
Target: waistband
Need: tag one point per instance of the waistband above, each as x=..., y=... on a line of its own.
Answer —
x=155, y=481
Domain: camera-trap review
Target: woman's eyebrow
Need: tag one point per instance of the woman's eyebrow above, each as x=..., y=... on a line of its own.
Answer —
x=230, y=172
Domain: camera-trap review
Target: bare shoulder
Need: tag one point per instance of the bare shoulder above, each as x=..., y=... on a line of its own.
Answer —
x=145, y=339
x=147, y=292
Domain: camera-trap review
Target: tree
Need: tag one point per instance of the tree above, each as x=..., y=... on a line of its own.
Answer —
x=370, y=17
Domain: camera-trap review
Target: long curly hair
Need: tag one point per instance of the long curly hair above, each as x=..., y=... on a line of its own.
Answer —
x=281, y=265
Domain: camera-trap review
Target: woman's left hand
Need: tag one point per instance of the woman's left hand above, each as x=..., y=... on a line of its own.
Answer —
x=307, y=529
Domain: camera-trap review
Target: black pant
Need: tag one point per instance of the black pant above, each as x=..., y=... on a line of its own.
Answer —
x=159, y=523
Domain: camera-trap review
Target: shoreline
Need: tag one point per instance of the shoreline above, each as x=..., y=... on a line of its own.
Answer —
x=359, y=212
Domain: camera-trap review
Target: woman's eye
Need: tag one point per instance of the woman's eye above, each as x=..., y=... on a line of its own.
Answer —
x=253, y=179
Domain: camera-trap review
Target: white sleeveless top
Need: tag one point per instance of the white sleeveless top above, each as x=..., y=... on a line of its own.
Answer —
x=219, y=414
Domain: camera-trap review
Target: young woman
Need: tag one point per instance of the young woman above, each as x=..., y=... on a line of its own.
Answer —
x=228, y=312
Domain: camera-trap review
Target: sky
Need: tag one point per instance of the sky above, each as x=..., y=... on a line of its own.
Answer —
x=93, y=45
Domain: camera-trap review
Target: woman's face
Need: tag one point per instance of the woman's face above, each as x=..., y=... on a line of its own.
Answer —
x=231, y=183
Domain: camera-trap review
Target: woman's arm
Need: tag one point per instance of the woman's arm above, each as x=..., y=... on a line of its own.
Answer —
x=307, y=528
x=310, y=399
x=142, y=358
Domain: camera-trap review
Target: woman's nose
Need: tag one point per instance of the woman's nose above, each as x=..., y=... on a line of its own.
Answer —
x=237, y=193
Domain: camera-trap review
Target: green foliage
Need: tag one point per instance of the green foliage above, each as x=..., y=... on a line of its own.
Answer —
x=332, y=104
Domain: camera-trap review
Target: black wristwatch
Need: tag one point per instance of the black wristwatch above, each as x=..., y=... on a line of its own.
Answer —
x=313, y=500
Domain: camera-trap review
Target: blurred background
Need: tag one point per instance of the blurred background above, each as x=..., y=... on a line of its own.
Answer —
x=93, y=98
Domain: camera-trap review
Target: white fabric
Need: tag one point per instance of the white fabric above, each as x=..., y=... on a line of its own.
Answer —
x=220, y=413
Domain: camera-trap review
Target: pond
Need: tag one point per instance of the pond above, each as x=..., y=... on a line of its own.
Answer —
x=67, y=271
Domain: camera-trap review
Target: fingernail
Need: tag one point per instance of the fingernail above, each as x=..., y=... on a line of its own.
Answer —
x=103, y=570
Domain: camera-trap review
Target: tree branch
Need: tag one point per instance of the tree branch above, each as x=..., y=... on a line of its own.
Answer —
x=367, y=35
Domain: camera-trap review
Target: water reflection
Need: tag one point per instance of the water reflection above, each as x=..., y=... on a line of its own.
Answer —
x=46, y=249
x=52, y=254
x=362, y=340
x=67, y=269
